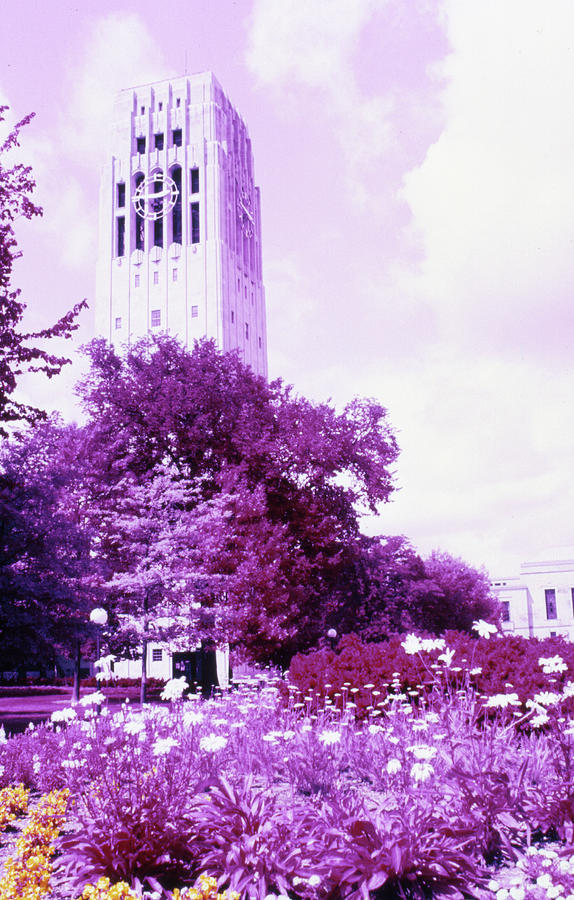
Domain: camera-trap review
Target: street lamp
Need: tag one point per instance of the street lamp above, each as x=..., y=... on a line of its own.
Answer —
x=99, y=616
x=332, y=635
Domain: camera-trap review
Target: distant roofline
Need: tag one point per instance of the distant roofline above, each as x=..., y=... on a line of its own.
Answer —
x=552, y=566
x=146, y=84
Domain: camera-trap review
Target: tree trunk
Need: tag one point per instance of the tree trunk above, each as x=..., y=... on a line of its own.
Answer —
x=77, y=664
x=144, y=672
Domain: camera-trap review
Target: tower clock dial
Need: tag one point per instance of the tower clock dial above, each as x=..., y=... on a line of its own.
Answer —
x=156, y=195
x=245, y=213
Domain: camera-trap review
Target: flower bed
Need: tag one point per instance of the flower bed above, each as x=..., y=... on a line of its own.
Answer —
x=27, y=875
x=272, y=791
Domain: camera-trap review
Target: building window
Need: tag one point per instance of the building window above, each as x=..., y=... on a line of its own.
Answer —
x=156, y=655
x=195, y=235
x=158, y=141
x=260, y=344
x=155, y=318
x=247, y=331
x=139, y=219
x=160, y=106
x=142, y=110
x=118, y=323
x=232, y=316
x=550, y=597
x=156, y=277
x=121, y=235
x=121, y=193
x=177, y=137
x=194, y=181
x=174, y=275
x=176, y=216
x=157, y=206
x=137, y=280
x=140, y=145
x=194, y=312
x=505, y=610
x=572, y=595
x=178, y=101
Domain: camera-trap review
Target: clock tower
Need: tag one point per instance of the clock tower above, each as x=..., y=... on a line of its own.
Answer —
x=180, y=222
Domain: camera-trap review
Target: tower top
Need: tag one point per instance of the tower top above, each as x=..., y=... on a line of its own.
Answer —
x=180, y=224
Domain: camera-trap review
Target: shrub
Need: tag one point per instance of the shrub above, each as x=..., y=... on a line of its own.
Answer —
x=368, y=670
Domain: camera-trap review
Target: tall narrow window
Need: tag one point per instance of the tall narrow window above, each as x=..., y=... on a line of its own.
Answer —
x=178, y=101
x=572, y=595
x=140, y=145
x=194, y=181
x=121, y=194
x=156, y=277
x=232, y=317
x=158, y=141
x=155, y=318
x=194, y=312
x=195, y=235
x=174, y=274
x=142, y=110
x=136, y=280
x=158, y=233
x=505, y=611
x=139, y=219
x=177, y=137
x=176, y=217
x=158, y=210
x=118, y=322
x=550, y=597
x=247, y=331
x=121, y=235
x=160, y=106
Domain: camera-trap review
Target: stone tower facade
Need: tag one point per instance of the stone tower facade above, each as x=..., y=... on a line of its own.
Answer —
x=180, y=224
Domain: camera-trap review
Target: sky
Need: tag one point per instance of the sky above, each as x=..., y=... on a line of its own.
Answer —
x=416, y=166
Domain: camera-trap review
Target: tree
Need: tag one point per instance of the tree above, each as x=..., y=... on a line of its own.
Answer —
x=46, y=583
x=377, y=593
x=387, y=588
x=18, y=350
x=455, y=596
x=275, y=484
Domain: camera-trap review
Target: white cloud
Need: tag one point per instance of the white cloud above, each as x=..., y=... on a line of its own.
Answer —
x=485, y=467
x=120, y=52
x=308, y=42
x=312, y=44
x=492, y=201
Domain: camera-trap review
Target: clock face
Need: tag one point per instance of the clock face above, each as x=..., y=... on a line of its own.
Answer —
x=156, y=195
x=245, y=214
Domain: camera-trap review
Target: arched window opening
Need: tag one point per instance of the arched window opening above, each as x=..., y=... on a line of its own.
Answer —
x=176, y=213
x=157, y=208
x=139, y=236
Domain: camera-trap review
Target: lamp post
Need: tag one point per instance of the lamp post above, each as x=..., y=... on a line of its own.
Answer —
x=99, y=616
x=332, y=635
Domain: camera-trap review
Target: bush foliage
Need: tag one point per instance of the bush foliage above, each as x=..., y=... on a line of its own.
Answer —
x=365, y=673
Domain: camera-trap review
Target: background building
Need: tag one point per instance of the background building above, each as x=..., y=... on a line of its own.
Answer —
x=180, y=224
x=539, y=602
